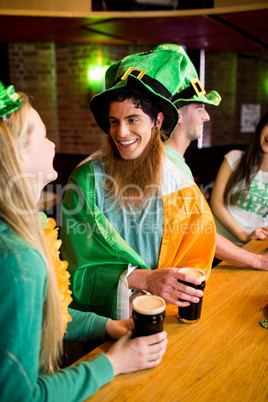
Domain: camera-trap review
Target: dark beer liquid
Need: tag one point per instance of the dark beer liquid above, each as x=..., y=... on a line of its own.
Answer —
x=192, y=312
x=147, y=324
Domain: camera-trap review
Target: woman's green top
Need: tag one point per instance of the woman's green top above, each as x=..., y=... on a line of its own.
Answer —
x=22, y=297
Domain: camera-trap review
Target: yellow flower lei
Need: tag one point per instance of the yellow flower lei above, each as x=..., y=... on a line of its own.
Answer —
x=53, y=245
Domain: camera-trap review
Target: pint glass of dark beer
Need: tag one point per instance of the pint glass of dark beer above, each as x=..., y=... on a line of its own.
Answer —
x=192, y=313
x=148, y=312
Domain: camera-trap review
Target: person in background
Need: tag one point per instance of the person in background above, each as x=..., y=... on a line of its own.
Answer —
x=130, y=217
x=34, y=313
x=192, y=116
x=239, y=199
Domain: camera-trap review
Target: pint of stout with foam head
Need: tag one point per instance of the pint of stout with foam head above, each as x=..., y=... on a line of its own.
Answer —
x=192, y=313
x=148, y=313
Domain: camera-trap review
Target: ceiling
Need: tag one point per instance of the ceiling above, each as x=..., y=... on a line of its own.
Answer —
x=241, y=32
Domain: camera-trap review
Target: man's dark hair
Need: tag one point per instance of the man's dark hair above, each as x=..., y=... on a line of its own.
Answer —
x=139, y=99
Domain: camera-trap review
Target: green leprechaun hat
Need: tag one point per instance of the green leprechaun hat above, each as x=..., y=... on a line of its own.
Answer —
x=156, y=73
x=9, y=100
x=191, y=90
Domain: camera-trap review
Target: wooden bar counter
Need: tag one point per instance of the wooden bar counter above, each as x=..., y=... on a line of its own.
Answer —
x=223, y=357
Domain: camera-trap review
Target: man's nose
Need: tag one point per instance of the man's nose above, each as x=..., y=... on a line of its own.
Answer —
x=122, y=129
x=206, y=116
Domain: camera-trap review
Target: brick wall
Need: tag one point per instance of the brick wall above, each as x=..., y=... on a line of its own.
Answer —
x=79, y=132
x=32, y=69
x=252, y=87
x=56, y=75
x=221, y=72
x=239, y=80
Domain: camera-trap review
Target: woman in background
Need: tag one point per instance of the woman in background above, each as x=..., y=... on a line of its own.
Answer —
x=34, y=306
x=239, y=199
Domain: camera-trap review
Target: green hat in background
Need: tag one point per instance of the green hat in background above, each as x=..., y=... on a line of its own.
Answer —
x=191, y=90
x=9, y=100
x=157, y=73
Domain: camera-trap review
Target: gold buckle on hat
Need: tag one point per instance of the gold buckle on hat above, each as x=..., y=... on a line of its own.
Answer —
x=196, y=84
x=129, y=71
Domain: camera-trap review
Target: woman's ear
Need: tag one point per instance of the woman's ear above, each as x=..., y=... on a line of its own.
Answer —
x=159, y=120
x=21, y=155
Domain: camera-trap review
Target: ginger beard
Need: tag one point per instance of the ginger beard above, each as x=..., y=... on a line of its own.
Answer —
x=133, y=180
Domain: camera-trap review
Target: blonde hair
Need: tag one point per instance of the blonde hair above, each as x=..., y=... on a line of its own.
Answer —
x=18, y=208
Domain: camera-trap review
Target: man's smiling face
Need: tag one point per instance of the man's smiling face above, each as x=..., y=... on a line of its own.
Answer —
x=130, y=128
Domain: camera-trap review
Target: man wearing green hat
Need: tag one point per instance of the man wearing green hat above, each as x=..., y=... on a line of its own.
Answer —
x=128, y=209
x=190, y=100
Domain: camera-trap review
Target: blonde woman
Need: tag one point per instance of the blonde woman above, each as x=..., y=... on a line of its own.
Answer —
x=31, y=313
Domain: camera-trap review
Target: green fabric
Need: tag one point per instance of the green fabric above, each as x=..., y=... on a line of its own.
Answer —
x=92, y=247
x=190, y=89
x=22, y=295
x=85, y=327
x=178, y=160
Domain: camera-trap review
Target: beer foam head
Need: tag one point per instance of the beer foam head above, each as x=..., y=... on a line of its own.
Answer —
x=195, y=272
x=149, y=304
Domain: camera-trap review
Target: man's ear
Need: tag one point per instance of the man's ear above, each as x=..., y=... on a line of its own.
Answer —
x=159, y=120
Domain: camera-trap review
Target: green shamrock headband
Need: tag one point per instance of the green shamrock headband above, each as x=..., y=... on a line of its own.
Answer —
x=9, y=100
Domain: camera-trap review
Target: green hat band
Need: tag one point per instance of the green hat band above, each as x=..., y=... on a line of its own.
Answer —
x=9, y=100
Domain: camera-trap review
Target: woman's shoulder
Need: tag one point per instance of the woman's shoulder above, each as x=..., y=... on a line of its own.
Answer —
x=233, y=157
x=9, y=239
x=17, y=252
